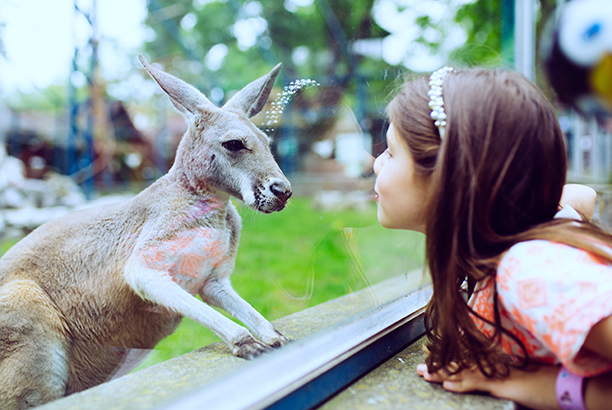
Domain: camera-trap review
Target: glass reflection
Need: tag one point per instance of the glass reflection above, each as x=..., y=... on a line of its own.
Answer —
x=107, y=129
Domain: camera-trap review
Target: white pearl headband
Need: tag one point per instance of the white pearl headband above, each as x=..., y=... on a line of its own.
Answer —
x=436, y=103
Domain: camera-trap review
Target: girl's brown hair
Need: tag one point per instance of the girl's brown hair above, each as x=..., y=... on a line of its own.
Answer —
x=494, y=181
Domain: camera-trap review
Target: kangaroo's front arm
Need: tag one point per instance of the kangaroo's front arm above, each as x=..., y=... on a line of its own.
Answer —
x=169, y=269
x=158, y=287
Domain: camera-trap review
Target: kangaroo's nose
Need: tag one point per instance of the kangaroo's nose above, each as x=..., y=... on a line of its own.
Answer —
x=281, y=189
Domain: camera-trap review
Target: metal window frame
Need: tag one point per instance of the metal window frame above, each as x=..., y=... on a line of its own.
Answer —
x=309, y=371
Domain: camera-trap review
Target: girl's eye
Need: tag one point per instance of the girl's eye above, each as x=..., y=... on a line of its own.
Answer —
x=233, y=145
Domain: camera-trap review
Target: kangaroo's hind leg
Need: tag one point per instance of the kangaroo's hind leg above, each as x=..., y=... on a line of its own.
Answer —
x=33, y=357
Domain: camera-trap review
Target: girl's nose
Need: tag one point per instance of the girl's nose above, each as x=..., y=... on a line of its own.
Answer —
x=377, y=164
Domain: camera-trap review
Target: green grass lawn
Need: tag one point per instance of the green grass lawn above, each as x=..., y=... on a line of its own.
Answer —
x=300, y=257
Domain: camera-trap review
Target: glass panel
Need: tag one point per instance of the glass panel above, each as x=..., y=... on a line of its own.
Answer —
x=105, y=128
x=303, y=256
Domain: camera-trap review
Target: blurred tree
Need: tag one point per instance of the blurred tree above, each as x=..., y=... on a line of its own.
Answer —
x=483, y=22
x=52, y=99
x=218, y=45
x=242, y=39
x=488, y=30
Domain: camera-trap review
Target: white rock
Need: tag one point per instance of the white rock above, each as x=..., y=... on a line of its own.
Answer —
x=12, y=172
x=65, y=191
x=105, y=200
x=12, y=198
x=26, y=203
x=30, y=218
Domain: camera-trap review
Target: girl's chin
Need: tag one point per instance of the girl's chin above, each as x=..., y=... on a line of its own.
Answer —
x=384, y=222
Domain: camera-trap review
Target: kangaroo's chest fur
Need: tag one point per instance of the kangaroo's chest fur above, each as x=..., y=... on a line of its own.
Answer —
x=197, y=246
x=189, y=257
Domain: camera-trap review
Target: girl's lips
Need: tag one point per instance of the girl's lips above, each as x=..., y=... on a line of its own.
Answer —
x=376, y=197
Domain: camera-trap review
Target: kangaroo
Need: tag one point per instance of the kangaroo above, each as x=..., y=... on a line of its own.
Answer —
x=80, y=291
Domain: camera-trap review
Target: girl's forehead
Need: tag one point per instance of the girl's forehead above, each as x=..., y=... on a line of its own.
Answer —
x=391, y=134
x=390, y=130
x=396, y=140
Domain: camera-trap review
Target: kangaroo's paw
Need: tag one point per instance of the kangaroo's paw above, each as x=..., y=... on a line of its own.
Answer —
x=248, y=348
x=276, y=340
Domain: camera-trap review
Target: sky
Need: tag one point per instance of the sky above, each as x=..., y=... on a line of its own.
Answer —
x=39, y=37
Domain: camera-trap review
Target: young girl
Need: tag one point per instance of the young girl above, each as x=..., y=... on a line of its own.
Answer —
x=522, y=300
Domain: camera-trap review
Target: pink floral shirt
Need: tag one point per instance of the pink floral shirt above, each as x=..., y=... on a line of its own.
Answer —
x=550, y=296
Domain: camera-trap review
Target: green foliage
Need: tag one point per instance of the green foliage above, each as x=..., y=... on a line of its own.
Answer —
x=483, y=21
x=6, y=244
x=308, y=26
x=320, y=32
x=51, y=99
x=300, y=246
x=490, y=40
x=323, y=34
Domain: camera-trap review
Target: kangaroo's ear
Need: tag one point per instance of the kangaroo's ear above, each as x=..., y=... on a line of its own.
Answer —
x=252, y=98
x=185, y=98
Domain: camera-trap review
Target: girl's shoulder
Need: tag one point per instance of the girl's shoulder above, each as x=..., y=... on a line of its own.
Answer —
x=544, y=256
x=535, y=247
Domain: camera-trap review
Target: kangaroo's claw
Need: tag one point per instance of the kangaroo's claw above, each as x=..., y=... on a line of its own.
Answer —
x=249, y=348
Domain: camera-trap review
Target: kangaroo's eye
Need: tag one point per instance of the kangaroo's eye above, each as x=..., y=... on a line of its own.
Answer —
x=233, y=145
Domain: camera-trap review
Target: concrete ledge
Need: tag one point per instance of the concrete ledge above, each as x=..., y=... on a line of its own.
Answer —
x=153, y=387
x=396, y=385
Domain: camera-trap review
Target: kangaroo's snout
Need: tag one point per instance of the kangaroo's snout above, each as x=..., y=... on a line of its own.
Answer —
x=271, y=196
x=281, y=188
